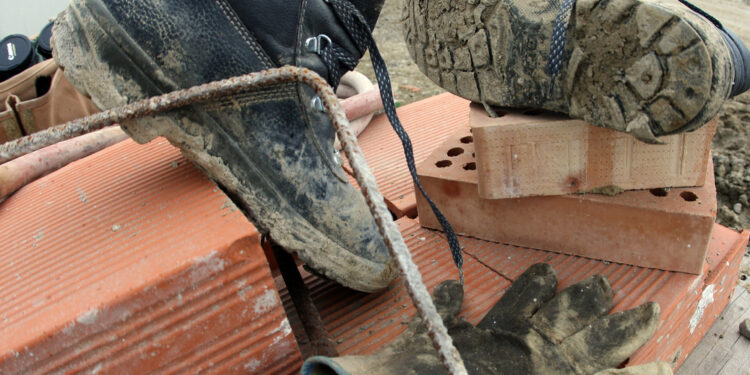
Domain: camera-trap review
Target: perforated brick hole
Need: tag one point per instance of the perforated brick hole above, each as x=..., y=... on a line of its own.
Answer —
x=455, y=151
x=689, y=196
x=659, y=192
x=458, y=157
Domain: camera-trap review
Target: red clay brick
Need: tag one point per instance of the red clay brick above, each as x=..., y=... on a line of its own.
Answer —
x=520, y=155
x=132, y=261
x=662, y=229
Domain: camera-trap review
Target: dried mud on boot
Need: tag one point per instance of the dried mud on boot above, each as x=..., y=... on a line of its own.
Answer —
x=731, y=145
x=283, y=181
x=631, y=65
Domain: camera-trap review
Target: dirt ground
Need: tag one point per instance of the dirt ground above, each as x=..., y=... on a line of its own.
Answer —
x=731, y=145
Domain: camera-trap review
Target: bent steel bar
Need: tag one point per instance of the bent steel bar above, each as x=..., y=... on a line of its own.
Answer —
x=253, y=81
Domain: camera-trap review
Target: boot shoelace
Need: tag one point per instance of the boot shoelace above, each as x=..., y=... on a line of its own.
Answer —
x=560, y=31
x=557, y=45
x=340, y=61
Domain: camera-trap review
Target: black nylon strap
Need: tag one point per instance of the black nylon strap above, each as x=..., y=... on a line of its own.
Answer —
x=338, y=63
x=362, y=35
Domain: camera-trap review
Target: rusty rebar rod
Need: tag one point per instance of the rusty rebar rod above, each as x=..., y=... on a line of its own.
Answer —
x=253, y=81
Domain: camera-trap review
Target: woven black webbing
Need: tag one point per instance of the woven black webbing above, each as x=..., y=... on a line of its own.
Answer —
x=358, y=28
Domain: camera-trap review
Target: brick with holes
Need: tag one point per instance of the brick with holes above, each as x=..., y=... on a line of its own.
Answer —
x=657, y=228
x=533, y=154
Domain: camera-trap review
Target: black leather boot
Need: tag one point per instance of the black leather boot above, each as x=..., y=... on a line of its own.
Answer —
x=271, y=151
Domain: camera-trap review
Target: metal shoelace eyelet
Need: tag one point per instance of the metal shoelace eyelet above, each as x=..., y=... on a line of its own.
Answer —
x=315, y=43
x=336, y=157
x=317, y=104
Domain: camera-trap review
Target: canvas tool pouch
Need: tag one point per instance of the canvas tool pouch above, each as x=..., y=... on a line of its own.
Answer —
x=9, y=127
x=43, y=98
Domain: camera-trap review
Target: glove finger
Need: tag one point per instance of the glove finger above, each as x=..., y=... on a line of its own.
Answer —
x=651, y=368
x=448, y=297
x=610, y=340
x=574, y=308
x=532, y=289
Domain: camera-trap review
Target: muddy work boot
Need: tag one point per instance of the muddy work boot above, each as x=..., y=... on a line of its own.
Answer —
x=272, y=150
x=529, y=331
x=646, y=67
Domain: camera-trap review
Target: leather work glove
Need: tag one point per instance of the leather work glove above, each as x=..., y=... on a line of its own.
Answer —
x=529, y=331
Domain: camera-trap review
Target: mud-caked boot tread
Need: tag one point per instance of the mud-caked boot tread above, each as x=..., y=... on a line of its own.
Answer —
x=647, y=67
x=669, y=64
